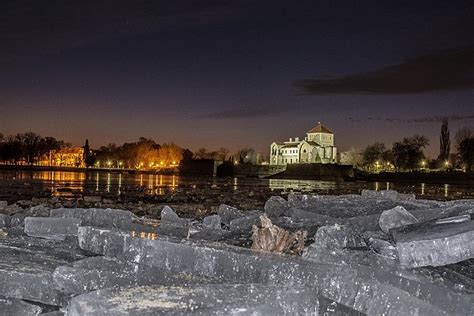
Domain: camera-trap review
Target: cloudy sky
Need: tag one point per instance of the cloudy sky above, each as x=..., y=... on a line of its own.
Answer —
x=235, y=73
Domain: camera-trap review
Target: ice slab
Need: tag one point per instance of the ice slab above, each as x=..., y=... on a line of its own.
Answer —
x=170, y=218
x=395, y=217
x=13, y=306
x=27, y=275
x=95, y=216
x=275, y=206
x=51, y=227
x=101, y=272
x=216, y=299
x=4, y=221
x=350, y=285
x=212, y=222
x=229, y=213
x=431, y=244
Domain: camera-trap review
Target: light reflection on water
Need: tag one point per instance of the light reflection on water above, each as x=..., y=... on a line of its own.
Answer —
x=62, y=183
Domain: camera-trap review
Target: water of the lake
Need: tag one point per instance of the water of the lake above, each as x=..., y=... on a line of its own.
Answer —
x=62, y=183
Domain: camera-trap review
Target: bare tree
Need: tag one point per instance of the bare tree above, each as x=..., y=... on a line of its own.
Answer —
x=444, y=142
x=464, y=139
x=222, y=153
x=462, y=134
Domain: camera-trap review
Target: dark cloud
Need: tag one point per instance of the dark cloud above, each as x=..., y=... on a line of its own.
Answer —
x=29, y=27
x=428, y=119
x=445, y=70
x=246, y=112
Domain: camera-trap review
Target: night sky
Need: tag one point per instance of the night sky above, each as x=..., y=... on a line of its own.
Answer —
x=236, y=73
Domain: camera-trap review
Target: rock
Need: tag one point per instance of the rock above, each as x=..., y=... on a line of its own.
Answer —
x=96, y=217
x=396, y=217
x=228, y=213
x=12, y=209
x=275, y=239
x=24, y=203
x=3, y=204
x=212, y=222
x=387, y=194
x=92, y=198
x=39, y=210
x=244, y=223
x=155, y=212
x=431, y=244
x=275, y=206
x=51, y=228
x=17, y=219
x=13, y=306
x=4, y=221
x=406, y=196
x=170, y=218
x=108, y=201
x=212, y=299
x=383, y=248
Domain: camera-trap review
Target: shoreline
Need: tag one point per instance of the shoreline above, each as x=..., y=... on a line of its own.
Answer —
x=422, y=177
x=437, y=177
x=173, y=171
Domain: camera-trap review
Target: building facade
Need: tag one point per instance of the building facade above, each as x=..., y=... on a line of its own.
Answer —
x=65, y=157
x=316, y=147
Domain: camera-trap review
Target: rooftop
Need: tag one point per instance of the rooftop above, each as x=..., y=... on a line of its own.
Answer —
x=320, y=129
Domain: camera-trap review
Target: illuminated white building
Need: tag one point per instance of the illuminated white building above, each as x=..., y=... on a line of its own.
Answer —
x=316, y=147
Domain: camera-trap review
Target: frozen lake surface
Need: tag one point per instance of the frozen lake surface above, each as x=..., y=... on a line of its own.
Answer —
x=60, y=183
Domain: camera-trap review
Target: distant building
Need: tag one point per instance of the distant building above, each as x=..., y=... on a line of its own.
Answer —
x=65, y=157
x=316, y=147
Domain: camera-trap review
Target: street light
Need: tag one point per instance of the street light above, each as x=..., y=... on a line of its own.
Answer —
x=109, y=163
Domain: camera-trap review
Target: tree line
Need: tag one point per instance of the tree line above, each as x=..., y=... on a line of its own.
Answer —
x=408, y=154
x=145, y=153
x=31, y=148
x=27, y=147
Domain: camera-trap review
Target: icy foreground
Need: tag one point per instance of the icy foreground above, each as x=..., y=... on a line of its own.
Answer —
x=378, y=253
